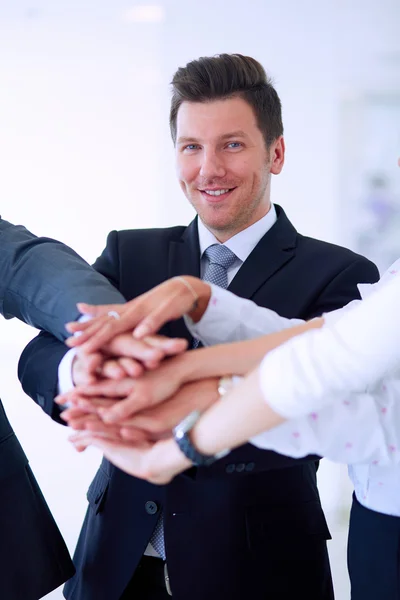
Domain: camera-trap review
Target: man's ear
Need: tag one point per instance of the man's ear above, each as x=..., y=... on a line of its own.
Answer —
x=277, y=155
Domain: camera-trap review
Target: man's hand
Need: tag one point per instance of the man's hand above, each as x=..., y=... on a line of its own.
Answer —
x=124, y=356
x=144, y=315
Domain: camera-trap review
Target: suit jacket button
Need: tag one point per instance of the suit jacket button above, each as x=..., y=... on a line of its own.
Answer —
x=250, y=466
x=151, y=507
x=240, y=467
x=230, y=469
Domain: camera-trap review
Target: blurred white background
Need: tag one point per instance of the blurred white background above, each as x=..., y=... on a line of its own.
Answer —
x=85, y=148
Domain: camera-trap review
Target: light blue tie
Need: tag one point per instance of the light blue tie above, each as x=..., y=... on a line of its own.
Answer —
x=220, y=259
x=157, y=537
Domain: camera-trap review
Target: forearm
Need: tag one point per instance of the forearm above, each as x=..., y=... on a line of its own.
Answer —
x=237, y=358
x=42, y=280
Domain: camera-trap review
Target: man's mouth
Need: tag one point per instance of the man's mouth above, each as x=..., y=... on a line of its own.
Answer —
x=216, y=194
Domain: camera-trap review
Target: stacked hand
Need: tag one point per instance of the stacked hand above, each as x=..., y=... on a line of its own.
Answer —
x=131, y=385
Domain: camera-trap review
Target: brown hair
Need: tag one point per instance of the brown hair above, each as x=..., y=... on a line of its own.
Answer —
x=227, y=76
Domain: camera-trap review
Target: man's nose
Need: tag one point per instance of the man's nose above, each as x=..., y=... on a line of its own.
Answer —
x=212, y=165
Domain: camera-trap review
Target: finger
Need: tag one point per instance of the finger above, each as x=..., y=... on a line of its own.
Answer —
x=109, y=431
x=64, y=398
x=125, y=408
x=80, y=446
x=93, y=404
x=132, y=367
x=110, y=449
x=69, y=397
x=151, y=365
x=111, y=369
x=108, y=388
x=176, y=346
x=82, y=422
x=104, y=329
x=96, y=334
x=135, y=435
x=84, y=329
x=82, y=439
x=169, y=346
x=126, y=345
x=75, y=326
x=73, y=413
x=166, y=311
x=85, y=369
x=81, y=402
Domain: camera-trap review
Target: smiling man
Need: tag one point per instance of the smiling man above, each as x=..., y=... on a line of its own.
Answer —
x=225, y=172
x=251, y=525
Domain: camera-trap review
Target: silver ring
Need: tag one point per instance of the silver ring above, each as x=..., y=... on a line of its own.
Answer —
x=114, y=314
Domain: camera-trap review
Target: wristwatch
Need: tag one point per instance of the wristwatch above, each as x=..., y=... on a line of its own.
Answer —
x=181, y=437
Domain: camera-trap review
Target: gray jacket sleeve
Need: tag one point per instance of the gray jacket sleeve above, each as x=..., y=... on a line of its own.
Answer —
x=41, y=280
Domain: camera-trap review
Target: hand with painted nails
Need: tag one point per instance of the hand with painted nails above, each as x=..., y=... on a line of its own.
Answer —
x=143, y=316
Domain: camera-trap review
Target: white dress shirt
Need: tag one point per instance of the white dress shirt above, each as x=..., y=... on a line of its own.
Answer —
x=242, y=244
x=339, y=386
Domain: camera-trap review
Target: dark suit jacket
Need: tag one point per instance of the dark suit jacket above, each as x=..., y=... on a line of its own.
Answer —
x=40, y=282
x=251, y=525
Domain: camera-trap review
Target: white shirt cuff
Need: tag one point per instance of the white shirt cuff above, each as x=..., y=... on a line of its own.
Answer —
x=65, y=381
x=229, y=318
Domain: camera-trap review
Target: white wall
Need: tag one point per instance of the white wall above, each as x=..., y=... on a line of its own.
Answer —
x=85, y=148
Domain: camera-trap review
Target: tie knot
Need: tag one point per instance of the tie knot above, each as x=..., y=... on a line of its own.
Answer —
x=220, y=255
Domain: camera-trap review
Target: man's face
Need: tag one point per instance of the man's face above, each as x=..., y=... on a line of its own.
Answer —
x=223, y=166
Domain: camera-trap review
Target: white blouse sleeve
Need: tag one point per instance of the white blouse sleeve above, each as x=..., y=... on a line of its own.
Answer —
x=344, y=357
x=229, y=318
x=358, y=428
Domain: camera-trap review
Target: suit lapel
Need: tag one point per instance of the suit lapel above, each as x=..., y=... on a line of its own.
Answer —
x=184, y=259
x=274, y=250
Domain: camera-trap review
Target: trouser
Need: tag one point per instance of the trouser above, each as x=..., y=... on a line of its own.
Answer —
x=373, y=554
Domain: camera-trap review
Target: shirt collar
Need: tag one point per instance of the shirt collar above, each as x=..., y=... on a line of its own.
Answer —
x=244, y=242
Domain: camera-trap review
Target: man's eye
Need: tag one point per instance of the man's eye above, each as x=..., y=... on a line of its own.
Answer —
x=234, y=145
x=191, y=147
